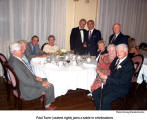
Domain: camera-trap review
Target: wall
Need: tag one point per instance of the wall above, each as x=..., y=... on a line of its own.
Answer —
x=77, y=10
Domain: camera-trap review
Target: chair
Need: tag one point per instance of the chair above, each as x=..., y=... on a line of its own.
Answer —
x=43, y=46
x=137, y=61
x=3, y=60
x=11, y=75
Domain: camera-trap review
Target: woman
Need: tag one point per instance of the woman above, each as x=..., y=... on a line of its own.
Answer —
x=103, y=65
x=50, y=48
x=101, y=49
x=133, y=50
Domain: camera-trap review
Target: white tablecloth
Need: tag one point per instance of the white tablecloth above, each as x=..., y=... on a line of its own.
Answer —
x=143, y=72
x=65, y=78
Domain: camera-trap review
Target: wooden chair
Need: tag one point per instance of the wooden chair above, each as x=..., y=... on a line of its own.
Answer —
x=137, y=61
x=11, y=75
x=3, y=61
x=43, y=46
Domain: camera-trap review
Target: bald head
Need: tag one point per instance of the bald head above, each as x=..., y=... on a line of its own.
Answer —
x=116, y=28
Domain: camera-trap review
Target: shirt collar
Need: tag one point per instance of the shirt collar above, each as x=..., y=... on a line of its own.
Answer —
x=117, y=34
x=18, y=58
x=120, y=61
x=91, y=30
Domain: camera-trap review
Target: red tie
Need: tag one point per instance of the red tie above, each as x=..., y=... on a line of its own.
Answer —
x=115, y=66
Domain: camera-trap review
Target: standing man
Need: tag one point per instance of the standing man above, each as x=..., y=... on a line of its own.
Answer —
x=33, y=50
x=117, y=37
x=78, y=38
x=118, y=83
x=93, y=37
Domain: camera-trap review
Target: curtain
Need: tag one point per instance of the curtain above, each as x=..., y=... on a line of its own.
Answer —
x=21, y=19
x=131, y=14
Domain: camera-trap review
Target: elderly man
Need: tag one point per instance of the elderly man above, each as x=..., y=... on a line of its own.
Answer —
x=117, y=37
x=93, y=37
x=33, y=50
x=78, y=37
x=118, y=83
x=31, y=87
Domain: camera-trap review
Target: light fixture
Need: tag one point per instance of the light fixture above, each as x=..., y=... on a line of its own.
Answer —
x=87, y=1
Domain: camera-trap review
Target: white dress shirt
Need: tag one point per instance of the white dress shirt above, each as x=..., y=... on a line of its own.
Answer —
x=82, y=34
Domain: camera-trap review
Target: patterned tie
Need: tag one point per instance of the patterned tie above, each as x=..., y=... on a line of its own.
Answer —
x=28, y=66
x=113, y=38
x=115, y=66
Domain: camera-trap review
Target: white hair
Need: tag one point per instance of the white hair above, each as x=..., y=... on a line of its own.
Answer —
x=15, y=46
x=124, y=46
x=111, y=46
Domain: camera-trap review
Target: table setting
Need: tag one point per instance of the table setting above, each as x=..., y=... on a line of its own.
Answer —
x=66, y=71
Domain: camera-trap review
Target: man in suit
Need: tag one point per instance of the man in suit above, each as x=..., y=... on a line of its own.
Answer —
x=31, y=87
x=117, y=37
x=33, y=50
x=118, y=83
x=78, y=38
x=93, y=37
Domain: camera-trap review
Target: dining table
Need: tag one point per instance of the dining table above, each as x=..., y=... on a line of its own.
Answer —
x=66, y=72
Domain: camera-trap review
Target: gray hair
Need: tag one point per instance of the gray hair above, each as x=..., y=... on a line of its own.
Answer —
x=22, y=41
x=124, y=46
x=110, y=46
x=15, y=46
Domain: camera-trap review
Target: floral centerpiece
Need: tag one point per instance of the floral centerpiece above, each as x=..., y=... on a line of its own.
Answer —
x=62, y=52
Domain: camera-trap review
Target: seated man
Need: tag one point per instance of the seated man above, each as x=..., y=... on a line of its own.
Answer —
x=33, y=49
x=31, y=87
x=118, y=83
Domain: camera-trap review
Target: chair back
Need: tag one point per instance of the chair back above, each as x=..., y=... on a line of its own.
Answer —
x=3, y=67
x=43, y=46
x=3, y=58
x=138, y=61
x=11, y=76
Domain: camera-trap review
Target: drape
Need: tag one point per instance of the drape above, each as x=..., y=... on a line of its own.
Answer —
x=131, y=14
x=21, y=19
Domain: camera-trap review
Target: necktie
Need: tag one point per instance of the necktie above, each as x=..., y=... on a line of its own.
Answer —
x=115, y=66
x=113, y=38
x=28, y=65
x=90, y=33
x=33, y=50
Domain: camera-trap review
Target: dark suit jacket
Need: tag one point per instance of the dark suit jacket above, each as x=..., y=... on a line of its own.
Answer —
x=76, y=41
x=119, y=81
x=92, y=43
x=119, y=40
x=29, y=54
x=30, y=88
